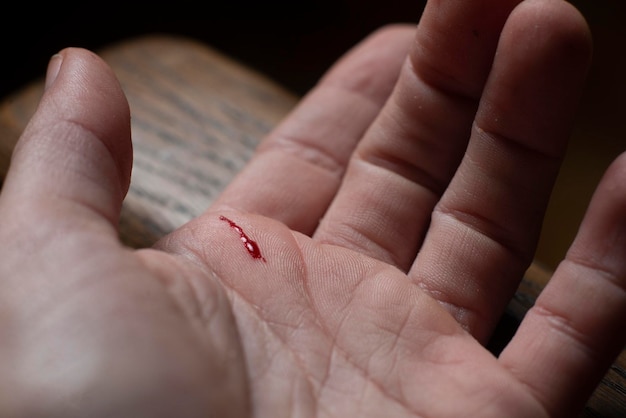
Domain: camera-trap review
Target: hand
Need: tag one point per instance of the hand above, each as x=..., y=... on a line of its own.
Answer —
x=388, y=221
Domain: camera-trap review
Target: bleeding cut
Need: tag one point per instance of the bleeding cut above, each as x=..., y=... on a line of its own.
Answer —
x=250, y=245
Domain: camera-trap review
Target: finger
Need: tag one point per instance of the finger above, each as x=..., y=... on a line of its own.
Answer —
x=568, y=340
x=71, y=167
x=484, y=230
x=298, y=168
x=408, y=156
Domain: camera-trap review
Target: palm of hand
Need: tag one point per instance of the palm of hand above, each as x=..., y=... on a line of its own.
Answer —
x=315, y=329
x=328, y=331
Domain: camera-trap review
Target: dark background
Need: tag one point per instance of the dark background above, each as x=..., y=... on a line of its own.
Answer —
x=292, y=42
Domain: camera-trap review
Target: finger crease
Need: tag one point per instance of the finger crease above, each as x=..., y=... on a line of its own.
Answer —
x=404, y=168
x=519, y=143
x=487, y=228
x=307, y=150
x=355, y=237
x=442, y=82
x=565, y=327
x=607, y=274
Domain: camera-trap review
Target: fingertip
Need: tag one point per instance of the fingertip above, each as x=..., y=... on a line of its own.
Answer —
x=538, y=76
x=558, y=23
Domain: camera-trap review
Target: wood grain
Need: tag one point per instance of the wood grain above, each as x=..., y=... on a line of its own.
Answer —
x=197, y=117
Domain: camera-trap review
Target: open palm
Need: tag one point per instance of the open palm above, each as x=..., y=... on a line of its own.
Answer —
x=356, y=267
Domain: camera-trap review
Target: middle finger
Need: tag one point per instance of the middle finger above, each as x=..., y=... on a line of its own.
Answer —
x=408, y=156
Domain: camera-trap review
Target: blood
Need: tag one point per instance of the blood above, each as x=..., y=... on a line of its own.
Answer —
x=250, y=245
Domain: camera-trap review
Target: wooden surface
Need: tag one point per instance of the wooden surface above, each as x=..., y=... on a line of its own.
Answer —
x=196, y=119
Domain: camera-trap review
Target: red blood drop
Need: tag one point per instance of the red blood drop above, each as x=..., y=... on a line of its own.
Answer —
x=250, y=245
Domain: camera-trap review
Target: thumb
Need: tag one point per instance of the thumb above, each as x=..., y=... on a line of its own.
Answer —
x=71, y=167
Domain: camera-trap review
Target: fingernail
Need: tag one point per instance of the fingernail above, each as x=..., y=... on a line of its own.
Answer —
x=53, y=69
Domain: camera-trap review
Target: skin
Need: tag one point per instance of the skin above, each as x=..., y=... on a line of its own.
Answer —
x=397, y=208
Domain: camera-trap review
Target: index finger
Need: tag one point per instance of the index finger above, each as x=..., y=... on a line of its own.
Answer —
x=299, y=166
